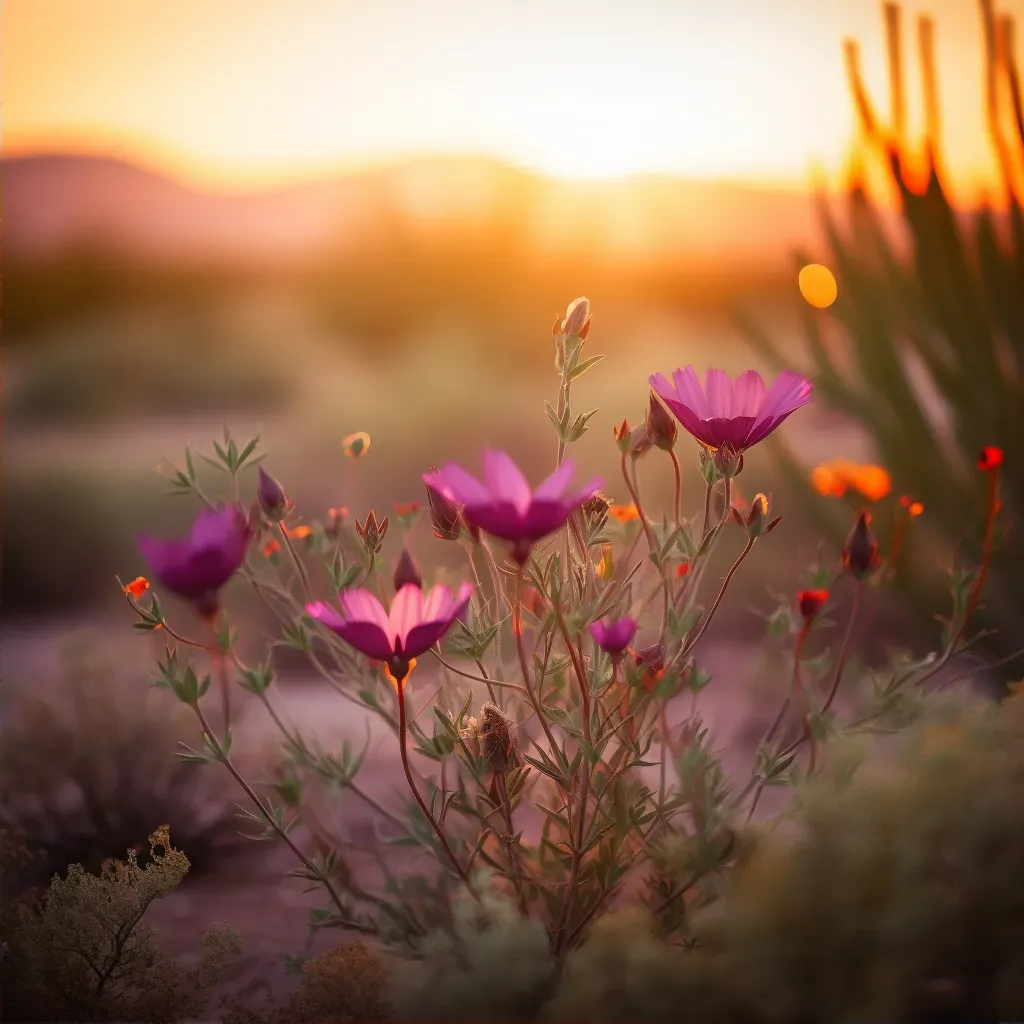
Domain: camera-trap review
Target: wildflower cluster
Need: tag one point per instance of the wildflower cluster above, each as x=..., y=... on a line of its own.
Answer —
x=578, y=640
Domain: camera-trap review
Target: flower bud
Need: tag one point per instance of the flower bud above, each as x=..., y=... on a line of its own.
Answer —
x=406, y=572
x=577, y=319
x=640, y=441
x=595, y=510
x=498, y=739
x=621, y=434
x=271, y=496
x=661, y=425
x=990, y=458
x=860, y=552
x=811, y=602
x=444, y=513
x=372, y=533
x=756, y=523
x=356, y=444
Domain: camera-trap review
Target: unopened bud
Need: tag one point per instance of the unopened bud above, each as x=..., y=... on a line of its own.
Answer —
x=757, y=522
x=640, y=441
x=372, y=533
x=621, y=434
x=860, y=552
x=595, y=509
x=444, y=513
x=661, y=425
x=577, y=319
x=271, y=496
x=406, y=572
x=498, y=739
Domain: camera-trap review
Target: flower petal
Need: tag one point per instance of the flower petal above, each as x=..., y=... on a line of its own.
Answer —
x=406, y=612
x=505, y=480
x=454, y=482
x=553, y=487
x=719, y=395
x=748, y=393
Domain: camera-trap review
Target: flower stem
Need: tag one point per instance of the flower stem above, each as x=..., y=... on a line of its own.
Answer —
x=678, y=496
x=274, y=826
x=299, y=567
x=517, y=629
x=844, y=650
x=403, y=745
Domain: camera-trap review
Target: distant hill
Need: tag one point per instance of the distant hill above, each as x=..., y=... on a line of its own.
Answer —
x=51, y=201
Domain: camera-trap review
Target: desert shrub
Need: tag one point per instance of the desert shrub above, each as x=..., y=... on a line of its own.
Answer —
x=82, y=951
x=345, y=984
x=932, y=320
x=113, y=370
x=89, y=766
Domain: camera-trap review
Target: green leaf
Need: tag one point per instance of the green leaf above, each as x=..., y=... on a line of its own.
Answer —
x=581, y=368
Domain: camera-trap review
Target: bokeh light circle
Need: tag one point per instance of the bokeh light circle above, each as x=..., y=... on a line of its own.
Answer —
x=818, y=285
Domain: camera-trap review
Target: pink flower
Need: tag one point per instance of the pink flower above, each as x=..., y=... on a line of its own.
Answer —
x=731, y=415
x=416, y=622
x=613, y=635
x=505, y=507
x=197, y=567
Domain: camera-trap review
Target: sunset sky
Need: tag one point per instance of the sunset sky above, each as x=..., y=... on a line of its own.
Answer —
x=245, y=93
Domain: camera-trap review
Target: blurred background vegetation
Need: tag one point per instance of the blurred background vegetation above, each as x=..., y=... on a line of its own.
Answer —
x=425, y=322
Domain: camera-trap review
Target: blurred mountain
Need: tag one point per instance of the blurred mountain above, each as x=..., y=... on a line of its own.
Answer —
x=54, y=201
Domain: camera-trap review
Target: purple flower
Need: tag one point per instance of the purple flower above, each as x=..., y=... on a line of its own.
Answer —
x=416, y=622
x=505, y=507
x=198, y=566
x=731, y=415
x=613, y=635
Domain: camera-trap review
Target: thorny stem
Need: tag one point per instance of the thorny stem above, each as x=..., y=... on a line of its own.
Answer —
x=280, y=832
x=402, y=745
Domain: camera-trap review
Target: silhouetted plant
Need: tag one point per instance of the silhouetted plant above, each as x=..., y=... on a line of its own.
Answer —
x=88, y=767
x=82, y=951
x=932, y=321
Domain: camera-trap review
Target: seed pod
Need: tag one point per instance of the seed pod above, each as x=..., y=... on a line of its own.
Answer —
x=498, y=735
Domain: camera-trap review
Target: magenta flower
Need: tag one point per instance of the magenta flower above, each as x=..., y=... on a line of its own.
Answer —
x=416, y=622
x=198, y=566
x=613, y=635
x=505, y=507
x=731, y=415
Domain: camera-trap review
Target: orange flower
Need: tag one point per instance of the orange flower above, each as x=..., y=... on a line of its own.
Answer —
x=337, y=513
x=270, y=547
x=914, y=508
x=356, y=444
x=834, y=478
x=624, y=513
x=606, y=567
x=137, y=587
x=683, y=569
x=299, y=532
x=811, y=602
x=990, y=459
x=406, y=508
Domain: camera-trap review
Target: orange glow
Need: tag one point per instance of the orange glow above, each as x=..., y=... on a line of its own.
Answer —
x=571, y=90
x=271, y=547
x=818, y=286
x=624, y=513
x=606, y=567
x=399, y=684
x=299, y=532
x=834, y=478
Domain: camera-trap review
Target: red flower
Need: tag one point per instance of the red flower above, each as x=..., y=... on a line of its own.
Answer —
x=990, y=459
x=137, y=587
x=811, y=602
